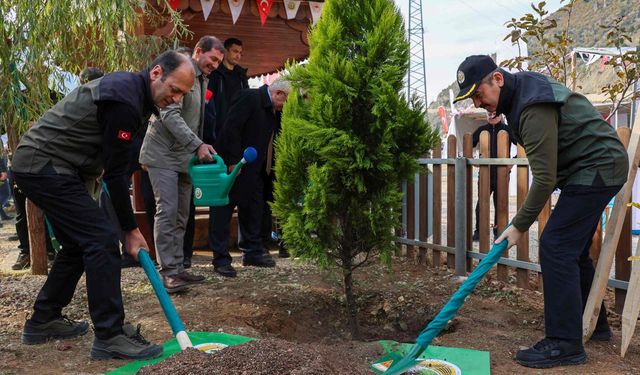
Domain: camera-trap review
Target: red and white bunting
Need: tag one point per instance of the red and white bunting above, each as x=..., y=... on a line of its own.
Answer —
x=316, y=10
x=264, y=7
x=174, y=4
x=206, y=7
x=291, y=6
x=236, y=8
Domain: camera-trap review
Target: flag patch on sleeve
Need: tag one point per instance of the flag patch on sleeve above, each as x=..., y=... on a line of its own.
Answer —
x=125, y=136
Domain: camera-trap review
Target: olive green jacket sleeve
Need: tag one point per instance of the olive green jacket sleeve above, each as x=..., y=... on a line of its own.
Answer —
x=539, y=135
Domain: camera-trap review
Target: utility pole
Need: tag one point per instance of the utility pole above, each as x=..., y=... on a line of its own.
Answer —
x=417, y=77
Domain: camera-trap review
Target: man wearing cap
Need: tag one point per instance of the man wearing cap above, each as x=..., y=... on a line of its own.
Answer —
x=570, y=147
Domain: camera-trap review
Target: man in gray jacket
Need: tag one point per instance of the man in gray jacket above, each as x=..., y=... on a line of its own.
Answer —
x=171, y=141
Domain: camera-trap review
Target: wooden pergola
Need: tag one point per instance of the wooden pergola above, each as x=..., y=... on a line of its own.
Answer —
x=266, y=48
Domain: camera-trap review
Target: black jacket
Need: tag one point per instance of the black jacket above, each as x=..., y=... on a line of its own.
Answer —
x=250, y=122
x=224, y=84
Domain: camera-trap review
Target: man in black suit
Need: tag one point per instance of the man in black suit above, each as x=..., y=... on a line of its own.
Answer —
x=253, y=120
x=493, y=126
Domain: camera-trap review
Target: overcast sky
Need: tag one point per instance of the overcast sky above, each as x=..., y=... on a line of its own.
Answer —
x=455, y=29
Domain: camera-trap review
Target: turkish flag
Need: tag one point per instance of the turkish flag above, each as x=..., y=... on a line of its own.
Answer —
x=264, y=6
x=125, y=136
x=174, y=4
x=207, y=95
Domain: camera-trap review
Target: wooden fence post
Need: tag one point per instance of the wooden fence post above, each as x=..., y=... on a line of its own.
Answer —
x=623, y=250
x=451, y=200
x=411, y=212
x=422, y=235
x=437, y=205
x=484, y=194
x=467, y=152
x=522, y=275
x=502, y=191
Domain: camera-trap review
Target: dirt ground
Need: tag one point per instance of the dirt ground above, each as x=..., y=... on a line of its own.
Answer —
x=303, y=306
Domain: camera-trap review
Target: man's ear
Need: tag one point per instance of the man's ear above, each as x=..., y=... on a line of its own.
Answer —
x=499, y=78
x=156, y=73
x=196, y=52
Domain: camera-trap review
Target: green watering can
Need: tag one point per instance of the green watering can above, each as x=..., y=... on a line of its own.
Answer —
x=211, y=183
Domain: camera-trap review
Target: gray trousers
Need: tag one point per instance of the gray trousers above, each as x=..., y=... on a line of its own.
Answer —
x=172, y=192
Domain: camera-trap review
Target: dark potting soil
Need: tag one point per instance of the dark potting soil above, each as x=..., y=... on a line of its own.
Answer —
x=269, y=357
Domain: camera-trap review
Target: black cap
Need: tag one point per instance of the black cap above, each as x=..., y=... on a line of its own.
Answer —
x=471, y=72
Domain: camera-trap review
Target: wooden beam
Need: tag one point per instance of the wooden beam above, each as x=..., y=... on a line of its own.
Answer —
x=612, y=235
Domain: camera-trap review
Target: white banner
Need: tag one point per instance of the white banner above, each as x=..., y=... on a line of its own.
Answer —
x=316, y=10
x=206, y=7
x=236, y=8
x=291, y=7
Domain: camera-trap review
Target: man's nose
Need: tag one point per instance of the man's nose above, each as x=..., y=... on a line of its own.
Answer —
x=476, y=102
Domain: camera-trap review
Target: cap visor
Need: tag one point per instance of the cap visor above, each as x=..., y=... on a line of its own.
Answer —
x=466, y=93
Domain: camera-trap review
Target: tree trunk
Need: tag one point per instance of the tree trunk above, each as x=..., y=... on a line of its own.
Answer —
x=352, y=308
x=37, y=239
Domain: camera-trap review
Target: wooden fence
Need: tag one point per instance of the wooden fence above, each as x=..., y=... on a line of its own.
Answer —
x=435, y=237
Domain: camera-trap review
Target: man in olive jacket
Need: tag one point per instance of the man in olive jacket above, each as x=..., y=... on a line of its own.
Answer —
x=169, y=144
x=86, y=134
x=570, y=147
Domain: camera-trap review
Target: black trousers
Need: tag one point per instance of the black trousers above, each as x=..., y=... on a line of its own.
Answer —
x=567, y=268
x=89, y=244
x=249, y=221
x=267, y=220
x=492, y=192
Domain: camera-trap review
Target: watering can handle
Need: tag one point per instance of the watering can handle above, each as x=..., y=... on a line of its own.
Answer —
x=216, y=160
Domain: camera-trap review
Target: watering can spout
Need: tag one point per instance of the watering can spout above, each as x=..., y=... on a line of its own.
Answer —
x=249, y=156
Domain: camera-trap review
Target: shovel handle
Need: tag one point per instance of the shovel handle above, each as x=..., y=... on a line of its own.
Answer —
x=165, y=302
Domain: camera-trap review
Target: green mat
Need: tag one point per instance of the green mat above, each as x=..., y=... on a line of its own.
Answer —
x=215, y=341
x=436, y=360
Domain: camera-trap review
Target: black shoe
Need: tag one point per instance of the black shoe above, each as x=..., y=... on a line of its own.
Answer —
x=23, y=261
x=191, y=278
x=258, y=261
x=13, y=237
x=552, y=352
x=226, y=270
x=601, y=334
x=128, y=345
x=61, y=328
x=186, y=262
x=282, y=251
x=174, y=284
x=476, y=236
